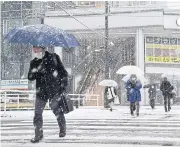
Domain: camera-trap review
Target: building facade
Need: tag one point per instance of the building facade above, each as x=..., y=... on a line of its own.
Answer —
x=154, y=31
x=142, y=33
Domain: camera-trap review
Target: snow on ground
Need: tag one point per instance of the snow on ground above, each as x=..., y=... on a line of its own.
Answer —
x=96, y=127
x=120, y=112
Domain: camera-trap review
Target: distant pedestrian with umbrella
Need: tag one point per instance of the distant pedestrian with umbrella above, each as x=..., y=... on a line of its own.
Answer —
x=110, y=92
x=133, y=87
x=152, y=93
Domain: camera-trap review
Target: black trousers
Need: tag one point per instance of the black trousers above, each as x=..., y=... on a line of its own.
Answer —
x=134, y=106
x=54, y=105
x=167, y=101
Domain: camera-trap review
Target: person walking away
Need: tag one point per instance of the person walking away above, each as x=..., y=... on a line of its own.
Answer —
x=166, y=89
x=51, y=81
x=133, y=87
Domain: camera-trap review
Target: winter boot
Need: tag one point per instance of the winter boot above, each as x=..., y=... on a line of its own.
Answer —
x=137, y=114
x=131, y=109
x=38, y=136
x=134, y=107
x=169, y=108
x=62, y=132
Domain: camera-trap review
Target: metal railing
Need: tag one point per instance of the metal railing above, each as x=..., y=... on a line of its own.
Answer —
x=16, y=99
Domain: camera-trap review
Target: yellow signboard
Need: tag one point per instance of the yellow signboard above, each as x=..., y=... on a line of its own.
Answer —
x=162, y=50
x=160, y=46
x=162, y=59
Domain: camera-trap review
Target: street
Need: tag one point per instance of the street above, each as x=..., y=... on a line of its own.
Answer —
x=96, y=127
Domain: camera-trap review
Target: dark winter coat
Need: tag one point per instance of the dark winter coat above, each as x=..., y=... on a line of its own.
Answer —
x=133, y=91
x=152, y=92
x=166, y=88
x=51, y=76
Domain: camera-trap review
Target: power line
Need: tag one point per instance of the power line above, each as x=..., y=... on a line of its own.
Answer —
x=79, y=21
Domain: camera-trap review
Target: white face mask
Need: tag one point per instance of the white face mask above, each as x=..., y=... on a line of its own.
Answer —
x=134, y=79
x=38, y=55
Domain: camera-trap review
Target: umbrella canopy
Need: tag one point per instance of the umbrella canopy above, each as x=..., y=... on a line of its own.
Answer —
x=149, y=85
x=130, y=70
x=42, y=35
x=172, y=75
x=108, y=83
x=139, y=77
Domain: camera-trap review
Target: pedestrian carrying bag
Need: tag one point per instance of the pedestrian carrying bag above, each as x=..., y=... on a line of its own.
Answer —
x=116, y=100
x=65, y=101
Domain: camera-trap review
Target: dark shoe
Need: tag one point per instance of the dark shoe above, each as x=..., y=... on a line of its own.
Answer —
x=36, y=139
x=62, y=134
x=165, y=108
x=38, y=136
x=169, y=108
x=111, y=109
x=134, y=108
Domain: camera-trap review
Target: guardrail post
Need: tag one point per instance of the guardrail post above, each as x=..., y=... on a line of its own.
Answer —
x=34, y=100
x=79, y=100
x=5, y=103
x=97, y=100
x=83, y=100
x=18, y=101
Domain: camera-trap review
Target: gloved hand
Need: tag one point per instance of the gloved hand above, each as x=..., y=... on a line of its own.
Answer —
x=133, y=85
x=131, y=91
x=41, y=68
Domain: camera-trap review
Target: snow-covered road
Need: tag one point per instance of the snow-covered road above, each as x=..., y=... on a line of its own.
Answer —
x=96, y=127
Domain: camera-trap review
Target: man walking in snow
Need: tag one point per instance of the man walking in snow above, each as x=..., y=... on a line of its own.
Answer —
x=51, y=80
x=166, y=89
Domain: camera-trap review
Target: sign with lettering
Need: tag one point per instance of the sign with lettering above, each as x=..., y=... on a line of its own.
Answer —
x=162, y=50
x=14, y=84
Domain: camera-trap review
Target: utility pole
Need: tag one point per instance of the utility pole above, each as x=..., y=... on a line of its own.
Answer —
x=106, y=50
x=1, y=43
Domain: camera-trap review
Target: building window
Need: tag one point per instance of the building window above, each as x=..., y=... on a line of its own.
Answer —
x=87, y=3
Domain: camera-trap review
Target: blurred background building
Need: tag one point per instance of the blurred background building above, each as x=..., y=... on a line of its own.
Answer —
x=142, y=33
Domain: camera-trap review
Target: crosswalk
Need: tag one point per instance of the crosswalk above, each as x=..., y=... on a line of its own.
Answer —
x=124, y=131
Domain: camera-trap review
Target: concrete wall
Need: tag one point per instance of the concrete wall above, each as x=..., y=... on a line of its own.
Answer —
x=115, y=21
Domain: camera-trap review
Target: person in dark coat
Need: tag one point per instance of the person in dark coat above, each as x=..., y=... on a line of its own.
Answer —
x=152, y=93
x=133, y=87
x=166, y=89
x=51, y=79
